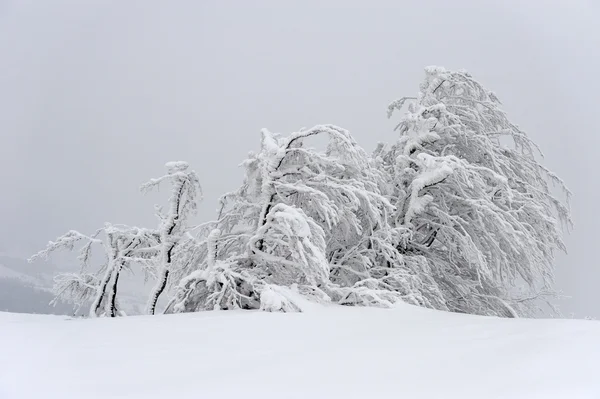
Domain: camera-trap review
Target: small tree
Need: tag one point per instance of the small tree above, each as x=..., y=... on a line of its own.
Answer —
x=174, y=223
x=122, y=246
x=170, y=248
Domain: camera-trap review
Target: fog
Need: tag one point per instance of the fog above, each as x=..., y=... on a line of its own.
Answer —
x=96, y=96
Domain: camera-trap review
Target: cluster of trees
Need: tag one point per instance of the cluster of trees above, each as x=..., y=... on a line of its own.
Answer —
x=456, y=215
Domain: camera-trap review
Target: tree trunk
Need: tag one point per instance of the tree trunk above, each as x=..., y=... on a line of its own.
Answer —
x=101, y=289
x=158, y=290
x=110, y=307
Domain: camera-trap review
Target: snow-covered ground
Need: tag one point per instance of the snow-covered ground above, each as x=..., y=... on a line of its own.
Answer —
x=330, y=352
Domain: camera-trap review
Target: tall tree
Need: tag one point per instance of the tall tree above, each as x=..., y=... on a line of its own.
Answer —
x=480, y=207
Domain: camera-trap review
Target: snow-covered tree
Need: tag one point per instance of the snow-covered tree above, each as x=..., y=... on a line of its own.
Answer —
x=173, y=223
x=98, y=286
x=300, y=219
x=168, y=249
x=479, y=207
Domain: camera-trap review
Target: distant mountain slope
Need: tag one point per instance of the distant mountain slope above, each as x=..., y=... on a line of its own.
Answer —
x=37, y=273
x=27, y=288
x=20, y=296
x=6, y=272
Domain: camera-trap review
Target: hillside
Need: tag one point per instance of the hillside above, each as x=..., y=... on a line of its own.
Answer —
x=27, y=288
x=38, y=274
x=333, y=352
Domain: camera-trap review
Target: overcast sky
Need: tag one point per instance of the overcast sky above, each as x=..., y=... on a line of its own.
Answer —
x=95, y=96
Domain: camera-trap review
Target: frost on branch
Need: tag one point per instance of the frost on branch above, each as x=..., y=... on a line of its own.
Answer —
x=122, y=246
x=170, y=249
x=173, y=224
x=457, y=214
x=302, y=216
x=292, y=247
x=478, y=204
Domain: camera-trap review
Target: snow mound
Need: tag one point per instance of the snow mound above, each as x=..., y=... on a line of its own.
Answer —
x=323, y=352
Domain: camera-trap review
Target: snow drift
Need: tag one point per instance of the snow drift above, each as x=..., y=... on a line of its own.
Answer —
x=323, y=352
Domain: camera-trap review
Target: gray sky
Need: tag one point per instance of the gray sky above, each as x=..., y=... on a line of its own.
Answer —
x=96, y=96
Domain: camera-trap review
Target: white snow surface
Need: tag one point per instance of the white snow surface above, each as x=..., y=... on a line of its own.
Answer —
x=324, y=352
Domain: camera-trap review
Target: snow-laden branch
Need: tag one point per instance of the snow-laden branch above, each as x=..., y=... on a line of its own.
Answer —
x=185, y=193
x=480, y=212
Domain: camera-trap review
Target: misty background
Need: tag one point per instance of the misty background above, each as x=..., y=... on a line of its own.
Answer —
x=96, y=96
